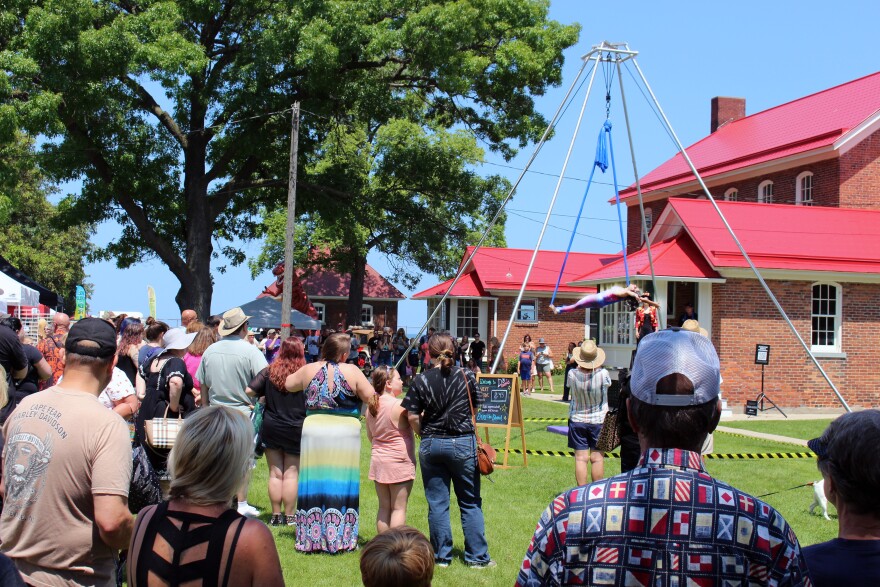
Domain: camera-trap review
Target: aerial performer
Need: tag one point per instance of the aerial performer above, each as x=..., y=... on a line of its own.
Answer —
x=601, y=299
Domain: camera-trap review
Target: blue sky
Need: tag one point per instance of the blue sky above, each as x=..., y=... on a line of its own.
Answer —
x=766, y=52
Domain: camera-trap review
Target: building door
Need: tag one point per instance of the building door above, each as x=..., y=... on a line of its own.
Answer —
x=679, y=294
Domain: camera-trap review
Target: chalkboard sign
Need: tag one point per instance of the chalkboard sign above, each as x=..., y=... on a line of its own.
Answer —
x=493, y=399
x=499, y=407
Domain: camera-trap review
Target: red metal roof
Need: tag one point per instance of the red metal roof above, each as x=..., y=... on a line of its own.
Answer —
x=803, y=125
x=467, y=287
x=503, y=270
x=674, y=257
x=783, y=236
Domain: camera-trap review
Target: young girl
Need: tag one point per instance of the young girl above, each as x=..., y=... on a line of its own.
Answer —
x=526, y=359
x=393, y=460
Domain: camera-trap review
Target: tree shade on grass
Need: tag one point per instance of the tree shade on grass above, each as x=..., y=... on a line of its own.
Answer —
x=517, y=497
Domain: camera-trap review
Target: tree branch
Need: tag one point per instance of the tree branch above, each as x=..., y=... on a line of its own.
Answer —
x=135, y=212
x=149, y=104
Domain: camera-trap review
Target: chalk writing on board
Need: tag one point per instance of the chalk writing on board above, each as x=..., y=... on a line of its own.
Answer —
x=493, y=404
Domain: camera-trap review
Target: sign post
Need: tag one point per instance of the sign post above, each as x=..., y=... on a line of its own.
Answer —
x=762, y=357
x=499, y=406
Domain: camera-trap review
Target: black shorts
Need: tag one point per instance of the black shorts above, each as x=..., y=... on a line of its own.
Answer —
x=277, y=436
x=583, y=436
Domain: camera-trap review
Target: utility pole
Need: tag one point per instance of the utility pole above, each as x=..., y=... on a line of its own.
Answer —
x=287, y=294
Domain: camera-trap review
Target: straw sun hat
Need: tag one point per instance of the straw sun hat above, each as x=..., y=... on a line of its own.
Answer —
x=232, y=320
x=589, y=356
x=694, y=326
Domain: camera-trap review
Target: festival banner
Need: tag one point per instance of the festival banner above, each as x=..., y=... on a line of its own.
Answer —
x=151, y=297
x=80, y=303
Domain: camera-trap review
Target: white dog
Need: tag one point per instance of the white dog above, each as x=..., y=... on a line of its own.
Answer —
x=819, y=498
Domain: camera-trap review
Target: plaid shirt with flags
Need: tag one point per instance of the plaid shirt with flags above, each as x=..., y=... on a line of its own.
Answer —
x=666, y=523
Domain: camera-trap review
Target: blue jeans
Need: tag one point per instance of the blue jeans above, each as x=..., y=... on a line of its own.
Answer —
x=453, y=459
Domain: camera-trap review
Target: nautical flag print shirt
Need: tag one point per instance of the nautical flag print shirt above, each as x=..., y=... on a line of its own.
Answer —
x=666, y=523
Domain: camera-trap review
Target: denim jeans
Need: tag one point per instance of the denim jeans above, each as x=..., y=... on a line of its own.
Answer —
x=453, y=459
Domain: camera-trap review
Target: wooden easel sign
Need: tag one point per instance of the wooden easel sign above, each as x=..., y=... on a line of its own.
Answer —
x=499, y=406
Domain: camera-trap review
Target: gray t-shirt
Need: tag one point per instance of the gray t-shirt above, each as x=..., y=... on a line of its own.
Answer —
x=227, y=367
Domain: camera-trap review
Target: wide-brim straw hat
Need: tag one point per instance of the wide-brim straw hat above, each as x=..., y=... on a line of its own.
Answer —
x=694, y=326
x=589, y=356
x=232, y=321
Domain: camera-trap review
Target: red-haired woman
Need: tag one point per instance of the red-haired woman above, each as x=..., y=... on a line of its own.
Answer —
x=393, y=459
x=282, y=428
x=132, y=339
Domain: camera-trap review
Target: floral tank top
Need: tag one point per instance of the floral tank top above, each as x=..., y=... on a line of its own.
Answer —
x=341, y=399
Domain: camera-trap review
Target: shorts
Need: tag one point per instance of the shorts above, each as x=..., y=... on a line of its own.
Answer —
x=525, y=373
x=545, y=368
x=583, y=436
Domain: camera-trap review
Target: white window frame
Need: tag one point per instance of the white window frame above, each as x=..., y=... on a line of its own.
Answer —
x=519, y=315
x=731, y=195
x=616, y=324
x=439, y=321
x=467, y=325
x=765, y=192
x=836, y=315
x=804, y=189
x=321, y=310
x=366, y=311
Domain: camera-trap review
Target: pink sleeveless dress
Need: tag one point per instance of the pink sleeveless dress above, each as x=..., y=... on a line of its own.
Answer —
x=393, y=458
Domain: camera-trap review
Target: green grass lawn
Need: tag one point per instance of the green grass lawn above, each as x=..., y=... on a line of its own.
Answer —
x=513, y=503
x=803, y=429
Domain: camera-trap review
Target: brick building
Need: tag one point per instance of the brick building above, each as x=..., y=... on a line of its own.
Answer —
x=483, y=299
x=800, y=186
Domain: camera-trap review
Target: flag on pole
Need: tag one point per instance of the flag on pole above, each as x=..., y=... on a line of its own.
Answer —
x=80, y=303
x=151, y=298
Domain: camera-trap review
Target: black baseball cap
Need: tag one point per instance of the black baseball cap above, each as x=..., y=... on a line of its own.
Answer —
x=91, y=337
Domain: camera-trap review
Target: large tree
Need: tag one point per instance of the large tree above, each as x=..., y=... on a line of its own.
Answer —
x=173, y=112
x=411, y=193
x=33, y=239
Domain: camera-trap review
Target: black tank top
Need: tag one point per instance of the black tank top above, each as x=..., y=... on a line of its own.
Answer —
x=190, y=530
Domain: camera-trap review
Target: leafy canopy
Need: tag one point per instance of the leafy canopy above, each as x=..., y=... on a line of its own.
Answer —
x=173, y=113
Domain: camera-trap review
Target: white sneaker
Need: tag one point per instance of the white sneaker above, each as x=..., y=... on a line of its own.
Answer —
x=248, y=510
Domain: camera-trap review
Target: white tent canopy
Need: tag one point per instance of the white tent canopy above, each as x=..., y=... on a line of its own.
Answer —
x=13, y=293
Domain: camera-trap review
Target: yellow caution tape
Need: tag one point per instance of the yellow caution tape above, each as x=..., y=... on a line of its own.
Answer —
x=614, y=455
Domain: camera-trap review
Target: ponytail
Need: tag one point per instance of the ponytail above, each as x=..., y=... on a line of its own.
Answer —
x=380, y=378
x=442, y=347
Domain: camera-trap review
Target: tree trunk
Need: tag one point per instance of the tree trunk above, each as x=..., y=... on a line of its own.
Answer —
x=356, y=291
x=197, y=288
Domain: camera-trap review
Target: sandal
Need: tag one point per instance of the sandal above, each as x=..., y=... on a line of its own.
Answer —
x=277, y=520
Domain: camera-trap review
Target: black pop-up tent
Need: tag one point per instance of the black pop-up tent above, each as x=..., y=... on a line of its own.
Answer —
x=47, y=296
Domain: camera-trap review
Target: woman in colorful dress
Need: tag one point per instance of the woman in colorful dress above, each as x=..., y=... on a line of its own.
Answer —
x=329, y=480
x=393, y=458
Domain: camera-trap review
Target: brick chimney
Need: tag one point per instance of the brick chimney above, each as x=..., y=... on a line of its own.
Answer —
x=726, y=110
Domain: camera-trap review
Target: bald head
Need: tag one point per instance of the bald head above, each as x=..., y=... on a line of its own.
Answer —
x=61, y=322
x=187, y=316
